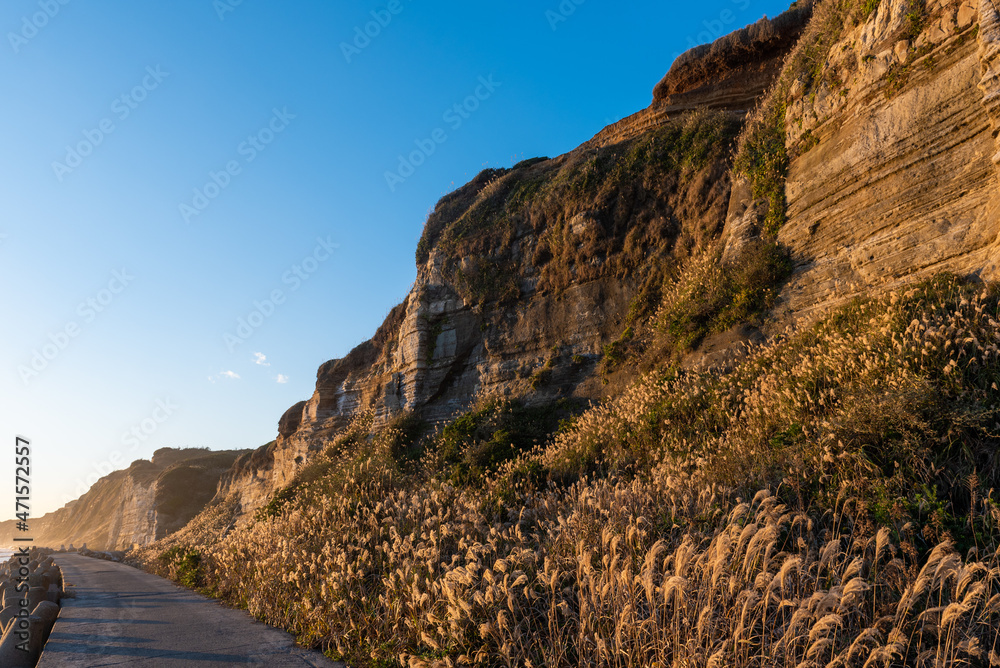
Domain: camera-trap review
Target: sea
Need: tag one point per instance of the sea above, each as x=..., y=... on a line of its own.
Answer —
x=5, y=554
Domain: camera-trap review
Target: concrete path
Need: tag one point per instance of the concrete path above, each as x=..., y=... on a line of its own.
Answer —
x=122, y=616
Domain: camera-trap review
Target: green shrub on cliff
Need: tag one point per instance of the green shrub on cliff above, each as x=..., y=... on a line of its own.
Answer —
x=492, y=433
x=763, y=160
x=711, y=295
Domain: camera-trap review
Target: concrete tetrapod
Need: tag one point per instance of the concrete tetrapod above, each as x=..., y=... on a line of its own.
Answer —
x=13, y=653
x=27, y=616
x=7, y=614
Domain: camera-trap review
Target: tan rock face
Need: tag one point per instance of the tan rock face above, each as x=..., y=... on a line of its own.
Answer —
x=891, y=178
x=133, y=522
x=989, y=57
x=136, y=505
x=901, y=183
x=436, y=352
x=967, y=13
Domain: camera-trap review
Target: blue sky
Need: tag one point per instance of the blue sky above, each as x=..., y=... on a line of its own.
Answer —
x=168, y=168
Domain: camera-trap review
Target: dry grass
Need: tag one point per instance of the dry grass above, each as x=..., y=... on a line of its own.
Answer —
x=592, y=575
x=649, y=544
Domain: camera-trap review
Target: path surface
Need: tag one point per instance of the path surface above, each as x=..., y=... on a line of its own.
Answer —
x=122, y=616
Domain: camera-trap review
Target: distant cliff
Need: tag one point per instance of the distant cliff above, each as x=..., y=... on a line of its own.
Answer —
x=137, y=505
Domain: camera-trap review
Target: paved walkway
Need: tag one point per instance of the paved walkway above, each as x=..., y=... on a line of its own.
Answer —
x=122, y=616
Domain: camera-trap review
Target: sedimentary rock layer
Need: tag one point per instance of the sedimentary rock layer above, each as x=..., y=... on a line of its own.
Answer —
x=901, y=181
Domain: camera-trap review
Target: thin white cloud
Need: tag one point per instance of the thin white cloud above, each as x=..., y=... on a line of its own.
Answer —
x=261, y=359
x=282, y=378
x=231, y=375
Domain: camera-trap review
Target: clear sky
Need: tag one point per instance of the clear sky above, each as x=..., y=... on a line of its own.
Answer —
x=169, y=167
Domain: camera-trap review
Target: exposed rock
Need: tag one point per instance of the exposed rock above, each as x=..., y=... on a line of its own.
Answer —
x=902, y=51
x=743, y=219
x=902, y=182
x=290, y=421
x=733, y=71
x=967, y=13
x=730, y=74
x=723, y=349
x=989, y=60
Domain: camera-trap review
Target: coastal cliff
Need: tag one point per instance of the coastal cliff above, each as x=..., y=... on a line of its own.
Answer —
x=526, y=275
x=137, y=505
x=718, y=387
x=877, y=127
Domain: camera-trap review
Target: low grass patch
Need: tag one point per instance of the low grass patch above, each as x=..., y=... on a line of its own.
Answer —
x=712, y=296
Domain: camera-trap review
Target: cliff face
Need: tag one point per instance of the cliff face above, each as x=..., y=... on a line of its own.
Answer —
x=862, y=144
x=893, y=172
x=525, y=275
x=137, y=505
x=528, y=276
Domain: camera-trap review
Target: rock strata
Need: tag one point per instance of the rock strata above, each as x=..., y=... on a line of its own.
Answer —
x=900, y=181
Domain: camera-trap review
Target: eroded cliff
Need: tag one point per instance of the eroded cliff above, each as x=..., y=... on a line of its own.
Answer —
x=875, y=168
x=137, y=505
x=526, y=275
x=891, y=137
